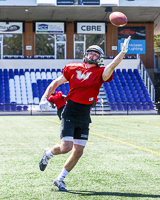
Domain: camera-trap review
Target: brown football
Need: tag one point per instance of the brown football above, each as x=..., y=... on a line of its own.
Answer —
x=118, y=19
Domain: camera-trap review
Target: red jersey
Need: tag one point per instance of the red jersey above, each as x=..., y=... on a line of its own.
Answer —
x=57, y=99
x=84, y=83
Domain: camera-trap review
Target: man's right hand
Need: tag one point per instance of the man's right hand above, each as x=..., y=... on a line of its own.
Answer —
x=44, y=105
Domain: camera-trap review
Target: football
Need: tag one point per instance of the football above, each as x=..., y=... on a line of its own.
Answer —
x=118, y=19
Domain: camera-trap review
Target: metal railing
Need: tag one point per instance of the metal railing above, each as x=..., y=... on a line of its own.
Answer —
x=147, y=81
x=100, y=109
x=127, y=108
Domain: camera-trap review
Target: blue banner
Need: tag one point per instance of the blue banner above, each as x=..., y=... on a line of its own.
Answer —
x=135, y=46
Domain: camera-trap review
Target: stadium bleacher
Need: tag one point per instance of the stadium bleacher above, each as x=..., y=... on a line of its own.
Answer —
x=36, y=83
x=127, y=91
x=23, y=87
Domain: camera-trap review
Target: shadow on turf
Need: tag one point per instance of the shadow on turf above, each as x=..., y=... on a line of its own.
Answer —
x=92, y=193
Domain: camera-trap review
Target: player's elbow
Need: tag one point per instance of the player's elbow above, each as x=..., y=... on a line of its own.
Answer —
x=107, y=73
x=105, y=78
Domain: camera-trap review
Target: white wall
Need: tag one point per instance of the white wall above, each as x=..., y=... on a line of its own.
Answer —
x=50, y=64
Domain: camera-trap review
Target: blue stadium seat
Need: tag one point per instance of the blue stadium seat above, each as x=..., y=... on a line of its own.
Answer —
x=118, y=71
x=19, y=108
x=45, y=84
x=120, y=107
x=145, y=107
x=124, y=71
x=34, y=89
x=13, y=107
x=25, y=108
x=139, y=107
x=7, y=107
x=21, y=72
x=1, y=107
x=133, y=107
x=114, y=107
x=16, y=72
x=151, y=106
x=59, y=70
x=49, y=81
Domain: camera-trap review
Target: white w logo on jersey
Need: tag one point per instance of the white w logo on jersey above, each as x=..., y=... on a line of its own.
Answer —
x=83, y=76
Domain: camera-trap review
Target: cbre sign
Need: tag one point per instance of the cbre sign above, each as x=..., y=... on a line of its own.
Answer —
x=90, y=28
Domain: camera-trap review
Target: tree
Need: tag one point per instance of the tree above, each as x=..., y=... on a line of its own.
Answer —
x=44, y=44
x=157, y=45
x=12, y=44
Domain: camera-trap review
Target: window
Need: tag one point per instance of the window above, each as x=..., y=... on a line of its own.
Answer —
x=82, y=42
x=12, y=44
x=51, y=45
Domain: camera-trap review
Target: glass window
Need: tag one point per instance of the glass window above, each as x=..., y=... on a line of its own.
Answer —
x=44, y=44
x=50, y=44
x=79, y=49
x=79, y=37
x=82, y=42
x=60, y=51
x=95, y=40
x=12, y=44
x=60, y=37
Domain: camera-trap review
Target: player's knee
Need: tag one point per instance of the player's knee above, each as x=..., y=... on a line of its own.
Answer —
x=78, y=153
x=66, y=148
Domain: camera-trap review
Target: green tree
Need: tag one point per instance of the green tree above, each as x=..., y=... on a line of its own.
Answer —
x=95, y=40
x=12, y=44
x=157, y=45
x=44, y=44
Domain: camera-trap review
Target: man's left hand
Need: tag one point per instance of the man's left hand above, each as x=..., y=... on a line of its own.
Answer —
x=125, y=45
x=44, y=104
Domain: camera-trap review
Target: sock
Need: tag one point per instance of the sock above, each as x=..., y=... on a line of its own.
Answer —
x=49, y=153
x=62, y=175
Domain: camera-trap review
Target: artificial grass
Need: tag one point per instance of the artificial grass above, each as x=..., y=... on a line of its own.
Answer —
x=120, y=161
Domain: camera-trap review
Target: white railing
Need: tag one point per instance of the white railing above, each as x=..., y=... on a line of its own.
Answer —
x=147, y=81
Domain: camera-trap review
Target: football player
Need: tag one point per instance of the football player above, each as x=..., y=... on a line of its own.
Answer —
x=85, y=80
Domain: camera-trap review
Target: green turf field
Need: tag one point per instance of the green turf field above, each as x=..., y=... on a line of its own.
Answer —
x=120, y=161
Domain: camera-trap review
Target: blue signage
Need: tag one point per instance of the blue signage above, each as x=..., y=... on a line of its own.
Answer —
x=135, y=46
x=43, y=27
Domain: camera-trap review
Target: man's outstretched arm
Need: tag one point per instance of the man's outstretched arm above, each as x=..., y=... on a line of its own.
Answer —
x=110, y=67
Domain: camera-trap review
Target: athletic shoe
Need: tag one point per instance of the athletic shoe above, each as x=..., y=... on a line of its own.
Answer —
x=44, y=161
x=60, y=185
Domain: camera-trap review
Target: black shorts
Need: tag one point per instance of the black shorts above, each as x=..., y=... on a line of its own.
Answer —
x=59, y=112
x=73, y=129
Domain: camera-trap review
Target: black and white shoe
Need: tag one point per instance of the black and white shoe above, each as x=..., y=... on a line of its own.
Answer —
x=60, y=185
x=44, y=161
